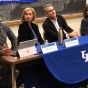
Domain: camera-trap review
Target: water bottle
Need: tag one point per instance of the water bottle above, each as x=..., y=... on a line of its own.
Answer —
x=46, y=42
x=60, y=36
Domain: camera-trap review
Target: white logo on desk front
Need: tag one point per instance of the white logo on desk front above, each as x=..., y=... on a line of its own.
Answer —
x=71, y=42
x=84, y=55
x=50, y=47
x=27, y=51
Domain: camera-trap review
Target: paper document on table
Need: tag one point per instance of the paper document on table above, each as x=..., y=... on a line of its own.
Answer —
x=49, y=48
x=71, y=42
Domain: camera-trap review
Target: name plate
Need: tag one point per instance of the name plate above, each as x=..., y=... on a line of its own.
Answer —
x=71, y=42
x=50, y=47
x=27, y=51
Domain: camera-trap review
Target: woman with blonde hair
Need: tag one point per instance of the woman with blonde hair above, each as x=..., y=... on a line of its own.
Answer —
x=28, y=30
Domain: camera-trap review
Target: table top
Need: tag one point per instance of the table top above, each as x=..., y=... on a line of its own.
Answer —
x=17, y=60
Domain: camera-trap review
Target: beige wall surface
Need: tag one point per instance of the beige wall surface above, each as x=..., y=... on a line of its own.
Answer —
x=74, y=23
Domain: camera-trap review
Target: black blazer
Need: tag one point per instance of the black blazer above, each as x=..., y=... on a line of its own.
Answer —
x=84, y=26
x=51, y=33
x=25, y=33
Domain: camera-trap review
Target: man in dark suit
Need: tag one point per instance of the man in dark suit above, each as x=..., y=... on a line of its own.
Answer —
x=52, y=24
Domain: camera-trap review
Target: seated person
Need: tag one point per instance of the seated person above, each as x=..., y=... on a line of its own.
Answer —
x=84, y=22
x=28, y=31
x=52, y=24
x=83, y=32
x=5, y=32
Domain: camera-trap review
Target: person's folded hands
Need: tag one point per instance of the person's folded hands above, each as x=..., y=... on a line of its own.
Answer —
x=73, y=34
x=6, y=51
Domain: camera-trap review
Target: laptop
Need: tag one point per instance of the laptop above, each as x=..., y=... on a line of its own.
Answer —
x=27, y=43
x=27, y=48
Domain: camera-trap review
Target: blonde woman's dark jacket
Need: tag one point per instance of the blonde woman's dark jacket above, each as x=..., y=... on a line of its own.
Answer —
x=25, y=33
